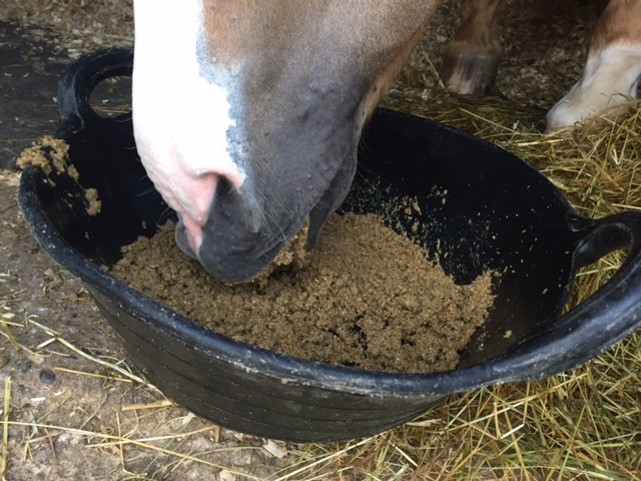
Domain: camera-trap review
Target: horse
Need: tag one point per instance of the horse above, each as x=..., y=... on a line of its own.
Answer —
x=611, y=74
x=247, y=114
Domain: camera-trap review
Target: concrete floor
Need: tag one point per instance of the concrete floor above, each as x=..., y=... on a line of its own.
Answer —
x=30, y=70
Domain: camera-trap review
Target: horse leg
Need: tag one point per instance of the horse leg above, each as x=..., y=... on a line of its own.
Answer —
x=613, y=69
x=472, y=57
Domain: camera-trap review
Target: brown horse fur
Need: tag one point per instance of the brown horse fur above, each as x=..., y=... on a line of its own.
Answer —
x=379, y=34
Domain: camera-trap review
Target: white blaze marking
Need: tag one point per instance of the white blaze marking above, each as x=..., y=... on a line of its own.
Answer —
x=180, y=119
x=610, y=76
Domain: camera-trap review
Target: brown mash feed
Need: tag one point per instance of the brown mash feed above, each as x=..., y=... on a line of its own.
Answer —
x=51, y=155
x=367, y=297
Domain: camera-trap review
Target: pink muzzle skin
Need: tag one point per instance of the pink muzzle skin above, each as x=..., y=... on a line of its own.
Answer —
x=195, y=211
x=190, y=195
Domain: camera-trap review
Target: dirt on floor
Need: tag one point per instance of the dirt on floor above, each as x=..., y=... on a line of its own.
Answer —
x=75, y=409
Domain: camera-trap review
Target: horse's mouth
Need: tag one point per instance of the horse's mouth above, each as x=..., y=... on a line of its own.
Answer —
x=239, y=239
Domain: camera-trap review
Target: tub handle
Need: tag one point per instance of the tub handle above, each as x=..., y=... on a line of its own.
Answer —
x=609, y=315
x=79, y=80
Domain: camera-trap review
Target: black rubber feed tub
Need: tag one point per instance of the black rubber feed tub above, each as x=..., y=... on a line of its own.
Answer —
x=484, y=208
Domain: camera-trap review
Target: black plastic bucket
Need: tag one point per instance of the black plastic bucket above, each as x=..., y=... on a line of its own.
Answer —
x=498, y=214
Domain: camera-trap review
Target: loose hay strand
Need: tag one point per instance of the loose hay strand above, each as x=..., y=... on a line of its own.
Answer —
x=4, y=458
x=124, y=372
x=93, y=374
x=116, y=440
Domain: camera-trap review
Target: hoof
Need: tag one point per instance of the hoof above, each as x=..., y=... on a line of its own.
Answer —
x=469, y=74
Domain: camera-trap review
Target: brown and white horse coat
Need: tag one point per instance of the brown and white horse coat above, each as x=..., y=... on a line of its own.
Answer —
x=247, y=113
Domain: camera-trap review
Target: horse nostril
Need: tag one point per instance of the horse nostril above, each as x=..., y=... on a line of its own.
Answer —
x=235, y=209
x=224, y=186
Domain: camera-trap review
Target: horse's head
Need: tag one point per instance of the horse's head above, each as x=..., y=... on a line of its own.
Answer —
x=247, y=114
